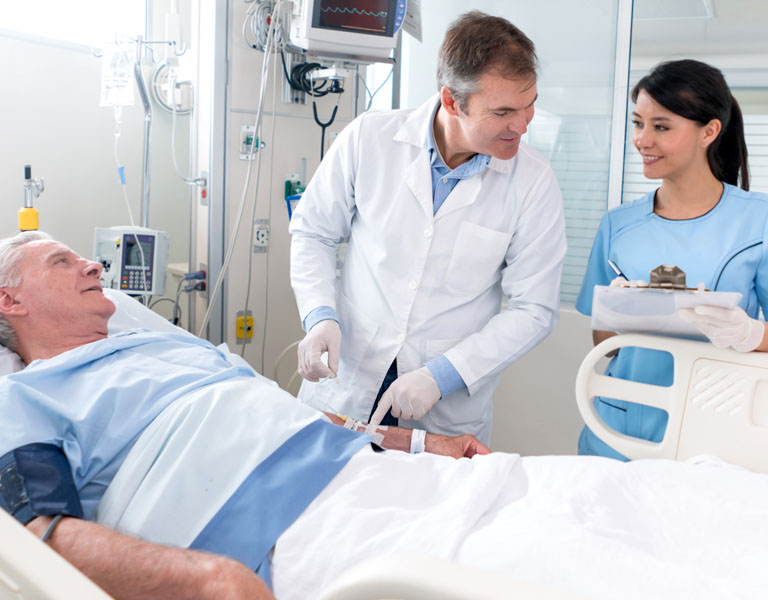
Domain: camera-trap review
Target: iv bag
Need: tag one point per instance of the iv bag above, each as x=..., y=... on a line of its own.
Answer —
x=117, y=76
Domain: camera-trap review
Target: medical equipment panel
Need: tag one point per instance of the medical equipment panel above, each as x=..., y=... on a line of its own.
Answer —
x=135, y=259
x=359, y=29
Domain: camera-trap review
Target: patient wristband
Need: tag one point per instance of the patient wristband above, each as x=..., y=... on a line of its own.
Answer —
x=418, y=437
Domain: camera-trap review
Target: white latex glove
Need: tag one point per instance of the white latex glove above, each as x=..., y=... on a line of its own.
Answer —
x=410, y=396
x=325, y=336
x=726, y=326
x=621, y=282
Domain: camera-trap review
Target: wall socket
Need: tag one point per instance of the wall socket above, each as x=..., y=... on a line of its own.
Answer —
x=244, y=326
x=204, y=267
x=247, y=140
x=260, y=235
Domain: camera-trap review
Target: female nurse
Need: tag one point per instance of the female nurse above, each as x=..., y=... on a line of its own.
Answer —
x=689, y=131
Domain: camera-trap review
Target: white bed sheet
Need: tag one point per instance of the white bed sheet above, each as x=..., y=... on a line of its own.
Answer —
x=587, y=525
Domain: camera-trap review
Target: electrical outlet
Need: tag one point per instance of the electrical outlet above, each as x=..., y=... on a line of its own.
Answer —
x=247, y=140
x=203, y=267
x=244, y=326
x=260, y=235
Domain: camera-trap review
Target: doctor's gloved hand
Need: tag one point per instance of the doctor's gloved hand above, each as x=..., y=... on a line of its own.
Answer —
x=325, y=336
x=410, y=396
x=726, y=326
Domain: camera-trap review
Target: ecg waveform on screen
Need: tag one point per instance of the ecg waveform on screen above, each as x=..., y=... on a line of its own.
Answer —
x=354, y=11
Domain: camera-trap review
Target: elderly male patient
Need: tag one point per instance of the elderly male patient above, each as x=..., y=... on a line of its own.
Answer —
x=218, y=461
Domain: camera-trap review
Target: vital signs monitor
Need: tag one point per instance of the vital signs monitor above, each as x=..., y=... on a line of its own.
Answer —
x=357, y=29
x=135, y=259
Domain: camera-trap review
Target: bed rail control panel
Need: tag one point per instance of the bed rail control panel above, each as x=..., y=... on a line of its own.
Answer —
x=717, y=403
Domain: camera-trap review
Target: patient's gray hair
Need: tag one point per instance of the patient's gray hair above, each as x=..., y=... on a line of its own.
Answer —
x=10, y=274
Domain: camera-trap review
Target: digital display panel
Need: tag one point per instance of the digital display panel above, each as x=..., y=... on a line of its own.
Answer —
x=132, y=256
x=359, y=16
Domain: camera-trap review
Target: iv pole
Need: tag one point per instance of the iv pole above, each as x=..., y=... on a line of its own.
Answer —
x=147, y=124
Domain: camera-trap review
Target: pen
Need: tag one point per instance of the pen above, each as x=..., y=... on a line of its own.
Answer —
x=617, y=270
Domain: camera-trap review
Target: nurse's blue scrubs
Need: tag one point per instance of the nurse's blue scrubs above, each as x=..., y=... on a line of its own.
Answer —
x=723, y=248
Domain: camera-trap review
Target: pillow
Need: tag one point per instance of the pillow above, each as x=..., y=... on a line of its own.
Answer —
x=129, y=314
x=132, y=314
x=9, y=361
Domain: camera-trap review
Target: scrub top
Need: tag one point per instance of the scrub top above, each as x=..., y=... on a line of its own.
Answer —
x=723, y=248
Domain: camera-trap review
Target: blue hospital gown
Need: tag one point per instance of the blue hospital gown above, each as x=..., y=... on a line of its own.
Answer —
x=723, y=248
x=94, y=401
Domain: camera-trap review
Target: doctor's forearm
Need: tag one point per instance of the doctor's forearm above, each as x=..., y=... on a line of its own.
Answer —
x=129, y=568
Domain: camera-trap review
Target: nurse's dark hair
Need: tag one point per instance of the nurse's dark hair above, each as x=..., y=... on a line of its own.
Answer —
x=697, y=91
x=10, y=275
x=477, y=43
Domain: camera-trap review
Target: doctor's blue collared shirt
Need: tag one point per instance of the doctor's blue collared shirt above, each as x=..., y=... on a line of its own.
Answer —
x=444, y=180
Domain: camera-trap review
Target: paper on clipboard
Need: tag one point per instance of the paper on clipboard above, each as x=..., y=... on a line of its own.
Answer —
x=652, y=310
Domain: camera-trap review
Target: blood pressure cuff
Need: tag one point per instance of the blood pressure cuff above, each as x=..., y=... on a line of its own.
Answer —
x=36, y=480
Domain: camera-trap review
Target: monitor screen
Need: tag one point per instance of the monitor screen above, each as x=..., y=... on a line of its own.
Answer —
x=358, y=16
x=132, y=254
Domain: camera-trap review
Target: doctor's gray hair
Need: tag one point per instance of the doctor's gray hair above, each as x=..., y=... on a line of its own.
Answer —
x=477, y=43
x=10, y=274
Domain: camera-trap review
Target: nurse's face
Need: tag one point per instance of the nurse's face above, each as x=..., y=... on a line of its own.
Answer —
x=670, y=145
x=497, y=115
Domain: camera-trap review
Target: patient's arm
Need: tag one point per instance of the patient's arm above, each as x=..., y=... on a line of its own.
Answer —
x=399, y=438
x=126, y=567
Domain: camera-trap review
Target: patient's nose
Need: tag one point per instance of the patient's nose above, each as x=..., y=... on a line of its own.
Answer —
x=92, y=269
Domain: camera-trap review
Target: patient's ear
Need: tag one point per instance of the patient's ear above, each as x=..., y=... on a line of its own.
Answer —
x=9, y=305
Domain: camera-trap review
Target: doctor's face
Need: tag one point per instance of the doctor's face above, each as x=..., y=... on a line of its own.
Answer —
x=62, y=288
x=497, y=115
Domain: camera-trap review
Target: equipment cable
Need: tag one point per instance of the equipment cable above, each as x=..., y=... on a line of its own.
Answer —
x=269, y=46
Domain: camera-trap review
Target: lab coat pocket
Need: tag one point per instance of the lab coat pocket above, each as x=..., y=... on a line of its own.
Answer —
x=477, y=258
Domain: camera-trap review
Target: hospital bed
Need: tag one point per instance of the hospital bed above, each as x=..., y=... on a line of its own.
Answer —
x=717, y=405
x=536, y=559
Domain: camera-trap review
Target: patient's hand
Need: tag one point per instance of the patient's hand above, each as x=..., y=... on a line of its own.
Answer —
x=460, y=446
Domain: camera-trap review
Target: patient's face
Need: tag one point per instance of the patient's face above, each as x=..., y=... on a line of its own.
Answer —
x=59, y=286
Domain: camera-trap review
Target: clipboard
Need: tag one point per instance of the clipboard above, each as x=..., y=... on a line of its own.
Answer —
x=652, y=310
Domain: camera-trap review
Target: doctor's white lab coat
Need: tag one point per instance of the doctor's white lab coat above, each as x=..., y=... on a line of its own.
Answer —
x=415, y=286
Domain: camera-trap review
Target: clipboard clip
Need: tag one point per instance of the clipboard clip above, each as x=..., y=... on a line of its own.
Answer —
x=668, y=277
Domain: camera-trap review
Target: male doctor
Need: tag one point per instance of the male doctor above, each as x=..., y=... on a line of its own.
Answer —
x=447, y=213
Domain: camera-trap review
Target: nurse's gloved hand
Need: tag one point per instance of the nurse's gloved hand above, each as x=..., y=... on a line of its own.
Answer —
x=410, y=396
x=726, y=326
x=324, y=337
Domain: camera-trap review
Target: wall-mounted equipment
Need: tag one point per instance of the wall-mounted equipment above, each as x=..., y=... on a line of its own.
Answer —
x=135, y=259
x=363, y=30
x=28, y=217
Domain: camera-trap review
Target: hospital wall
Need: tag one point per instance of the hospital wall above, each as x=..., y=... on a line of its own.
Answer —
x=291, y=145
x=51, y=119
